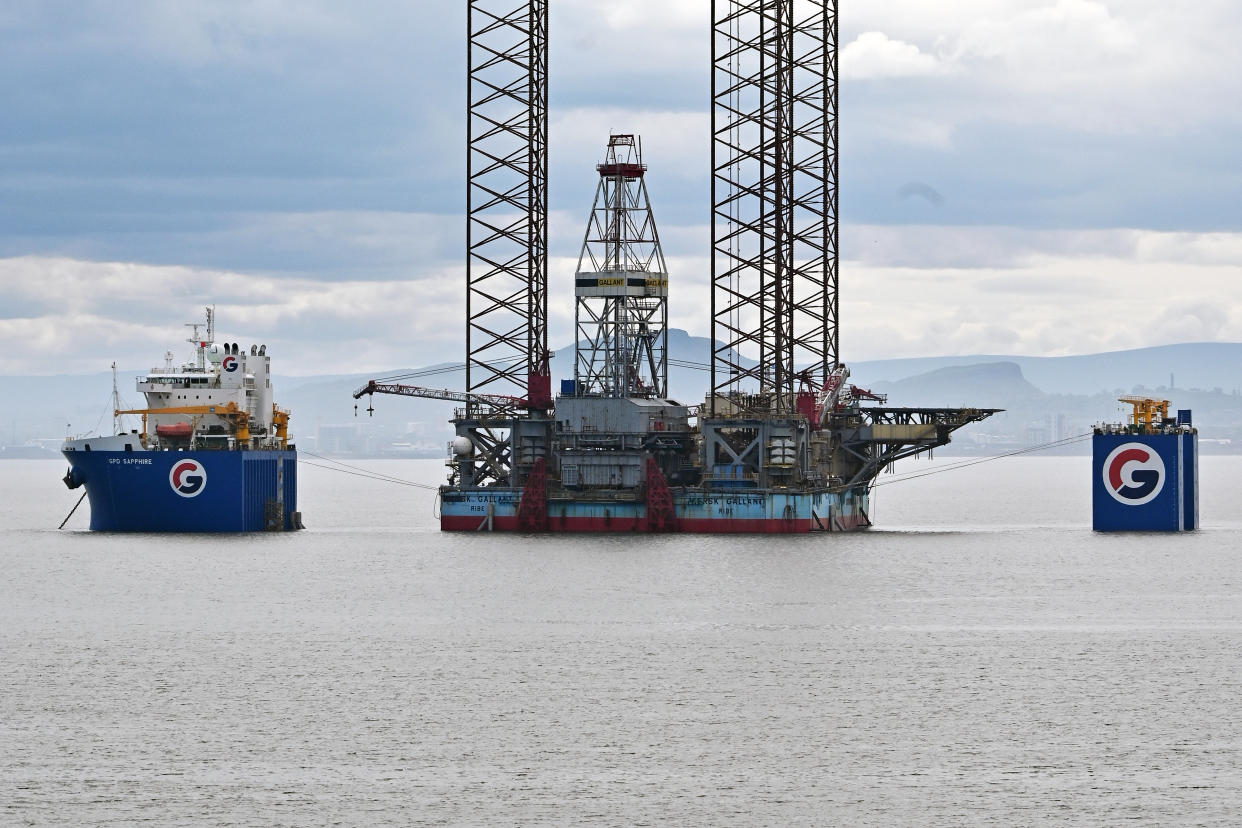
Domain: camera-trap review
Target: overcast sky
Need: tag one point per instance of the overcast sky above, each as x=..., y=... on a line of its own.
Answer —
x=1018, y=176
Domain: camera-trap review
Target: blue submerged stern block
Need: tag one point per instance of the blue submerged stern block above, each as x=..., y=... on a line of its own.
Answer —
x=1145, y=482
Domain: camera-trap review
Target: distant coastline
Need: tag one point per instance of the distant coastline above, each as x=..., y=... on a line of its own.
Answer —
x=1045, y=398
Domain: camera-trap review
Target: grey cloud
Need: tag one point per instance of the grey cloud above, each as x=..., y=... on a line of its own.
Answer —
x=926, y=246
x=928, y=193
x=181, y=133
x=1026, y=284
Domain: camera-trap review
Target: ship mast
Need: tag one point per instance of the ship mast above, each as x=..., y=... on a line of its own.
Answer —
x=116, y=403
x=200, y=344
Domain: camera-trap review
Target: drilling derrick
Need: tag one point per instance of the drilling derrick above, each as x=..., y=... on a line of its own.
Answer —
x=782, y=442
x=621, y=285
x=617, y=435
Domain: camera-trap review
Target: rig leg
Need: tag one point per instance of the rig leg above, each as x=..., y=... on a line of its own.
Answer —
x=533, y=508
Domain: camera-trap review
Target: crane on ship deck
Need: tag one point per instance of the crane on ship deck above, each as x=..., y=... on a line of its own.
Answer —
x=227, y=411
x=1148, y=413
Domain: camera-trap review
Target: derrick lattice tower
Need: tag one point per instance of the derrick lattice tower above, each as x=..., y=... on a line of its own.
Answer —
x=774, y=197
x=507, y=201
x=621, y=285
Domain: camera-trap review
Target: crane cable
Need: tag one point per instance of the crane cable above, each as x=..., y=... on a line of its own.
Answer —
x=358, y=471
x=502, y=366
x=1064, y=441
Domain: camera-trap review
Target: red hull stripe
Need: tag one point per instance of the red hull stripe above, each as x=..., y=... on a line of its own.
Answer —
x=762, y=526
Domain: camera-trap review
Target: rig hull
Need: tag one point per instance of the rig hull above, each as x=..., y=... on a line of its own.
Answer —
x=220, y=491
x=696, y=511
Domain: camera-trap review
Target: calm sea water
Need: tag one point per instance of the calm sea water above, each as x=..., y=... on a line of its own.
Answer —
x=982, y=658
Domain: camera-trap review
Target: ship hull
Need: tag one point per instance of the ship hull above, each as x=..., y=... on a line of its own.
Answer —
x=696, y=511
x=188, y=491
x=1169, y=466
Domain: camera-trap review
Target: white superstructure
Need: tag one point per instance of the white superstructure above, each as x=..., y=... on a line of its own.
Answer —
x=221, y=398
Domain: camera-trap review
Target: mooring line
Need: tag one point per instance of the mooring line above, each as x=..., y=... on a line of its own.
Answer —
x=71, y=511
x=357, y=471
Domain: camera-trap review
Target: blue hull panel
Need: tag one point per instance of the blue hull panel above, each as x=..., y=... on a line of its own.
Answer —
x=1145, y=482
x=186, y=491
x=697, y=511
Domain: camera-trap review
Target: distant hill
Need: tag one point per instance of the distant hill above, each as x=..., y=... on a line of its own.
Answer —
x=1040, y=394
x=964, y=385
x=1032, y=416
x=1204, y=365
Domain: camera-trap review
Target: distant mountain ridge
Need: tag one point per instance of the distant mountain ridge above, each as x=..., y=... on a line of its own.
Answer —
x=1204, y=365
x=1082, y=387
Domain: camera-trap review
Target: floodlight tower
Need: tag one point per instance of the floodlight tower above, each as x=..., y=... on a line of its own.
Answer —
x=621, y=285
x=774, y=197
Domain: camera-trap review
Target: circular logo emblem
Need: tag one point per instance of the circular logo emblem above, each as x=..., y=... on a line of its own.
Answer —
x=230, y=364
x=1133, y=474
x=188, y=478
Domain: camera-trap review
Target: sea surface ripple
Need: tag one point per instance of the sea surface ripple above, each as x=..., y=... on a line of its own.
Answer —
x=981, y=658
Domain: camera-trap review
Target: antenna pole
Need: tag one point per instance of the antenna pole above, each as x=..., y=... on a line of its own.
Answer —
x=116, y=403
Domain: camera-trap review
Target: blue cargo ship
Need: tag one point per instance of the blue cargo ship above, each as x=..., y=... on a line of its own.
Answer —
x=213, y=453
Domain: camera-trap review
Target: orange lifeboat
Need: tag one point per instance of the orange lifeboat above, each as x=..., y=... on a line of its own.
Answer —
x=174, y=431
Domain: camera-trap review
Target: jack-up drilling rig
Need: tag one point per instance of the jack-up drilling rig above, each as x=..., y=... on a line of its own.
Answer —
x=782, y=442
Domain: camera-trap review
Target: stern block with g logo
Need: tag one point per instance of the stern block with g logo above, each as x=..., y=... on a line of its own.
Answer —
x=1145, y=482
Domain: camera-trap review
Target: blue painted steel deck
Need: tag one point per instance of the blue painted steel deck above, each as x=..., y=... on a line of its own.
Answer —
x=221, y=491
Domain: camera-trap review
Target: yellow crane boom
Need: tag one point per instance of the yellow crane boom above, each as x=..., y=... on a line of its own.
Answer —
x=229, y=411
x=1148, y=411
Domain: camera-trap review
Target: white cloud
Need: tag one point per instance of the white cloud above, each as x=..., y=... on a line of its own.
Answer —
x=610, y=41
x=1065, y=36
x=904, y=292
x=1192, y=320
x=79, y=316
x=1139, y=69
x=674, y=142
x=939, y=76
x=1046, y=293
x=876, y=55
